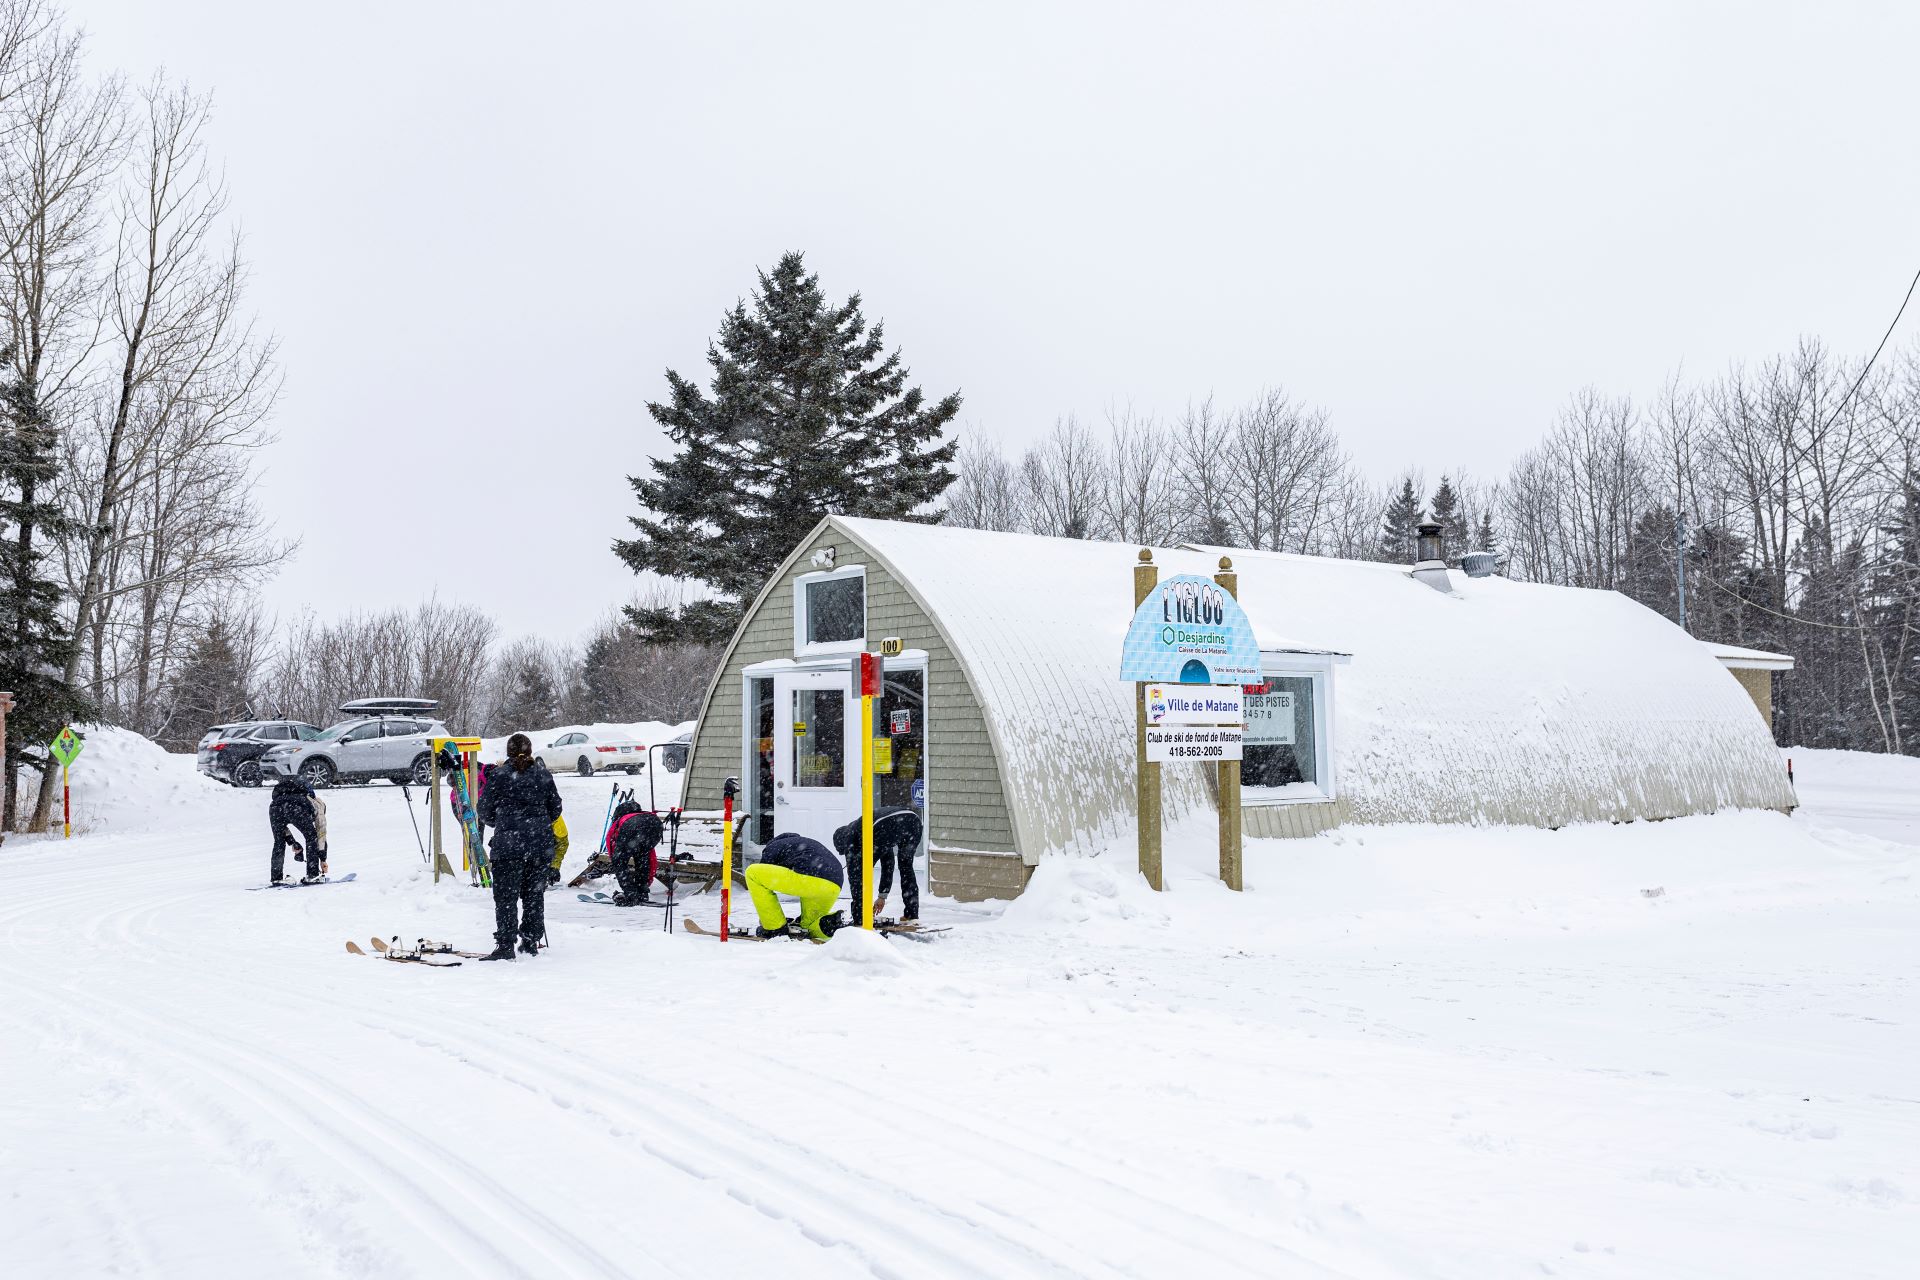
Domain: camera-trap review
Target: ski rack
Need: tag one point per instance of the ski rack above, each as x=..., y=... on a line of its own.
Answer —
x=466, y=783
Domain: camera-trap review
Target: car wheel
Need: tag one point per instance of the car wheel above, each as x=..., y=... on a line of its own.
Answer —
x=317, y=773
x=247, y=774
x=585, y=766
x=422, y=769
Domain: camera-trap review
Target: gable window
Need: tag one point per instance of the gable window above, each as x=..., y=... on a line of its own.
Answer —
x=830, y=611
x=1285, y=757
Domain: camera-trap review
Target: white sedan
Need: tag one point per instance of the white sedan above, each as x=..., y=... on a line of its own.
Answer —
x=587, y=754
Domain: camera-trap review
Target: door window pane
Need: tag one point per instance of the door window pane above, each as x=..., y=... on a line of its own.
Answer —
x=1280, y=748
x=901, y=718
x=836, y=610
x=819, y=738
x=760, y=717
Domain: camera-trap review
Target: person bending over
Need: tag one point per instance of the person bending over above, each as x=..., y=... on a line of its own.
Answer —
x=520, y=803
x=799, y=868
x=292, y=806
x=632, y=838
x=896, y=839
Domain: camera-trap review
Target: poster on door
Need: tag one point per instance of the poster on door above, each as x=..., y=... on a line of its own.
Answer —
x=1270, y=720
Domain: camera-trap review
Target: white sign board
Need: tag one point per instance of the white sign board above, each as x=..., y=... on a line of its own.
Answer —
x=1170, y=746
x=1270, y=720
x=1194, y=704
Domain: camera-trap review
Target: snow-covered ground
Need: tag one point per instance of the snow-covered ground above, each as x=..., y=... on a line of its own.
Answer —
x=1676, y=1049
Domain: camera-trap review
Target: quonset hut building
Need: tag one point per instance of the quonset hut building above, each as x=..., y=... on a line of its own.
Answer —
x=1393, y=694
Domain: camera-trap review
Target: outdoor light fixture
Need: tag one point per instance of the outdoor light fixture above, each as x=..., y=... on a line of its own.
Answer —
x=823, y=558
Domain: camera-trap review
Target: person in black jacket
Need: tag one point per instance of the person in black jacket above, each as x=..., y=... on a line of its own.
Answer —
x=896, y=839
x=520, y=803
x=800, y=868
x=292, y=805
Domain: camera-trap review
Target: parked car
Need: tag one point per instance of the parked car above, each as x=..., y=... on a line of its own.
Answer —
x=233, y=756
x=216, y=732
x=396, y=748
x=586, y=753
x=674, y=753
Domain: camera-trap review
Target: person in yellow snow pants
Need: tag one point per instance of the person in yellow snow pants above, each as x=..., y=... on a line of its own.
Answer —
x=799, y=868
x=559, y=850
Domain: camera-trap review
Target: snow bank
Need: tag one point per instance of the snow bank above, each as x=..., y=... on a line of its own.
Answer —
x=125, y=782
x=858, y=951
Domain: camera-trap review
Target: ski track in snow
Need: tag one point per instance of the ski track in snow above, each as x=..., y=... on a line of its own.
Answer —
x=1360, y=1069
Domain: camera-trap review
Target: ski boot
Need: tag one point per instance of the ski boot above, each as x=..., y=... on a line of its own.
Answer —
x=501, y=952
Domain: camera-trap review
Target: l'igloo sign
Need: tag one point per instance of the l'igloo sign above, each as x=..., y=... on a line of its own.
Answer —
x=1189, y=630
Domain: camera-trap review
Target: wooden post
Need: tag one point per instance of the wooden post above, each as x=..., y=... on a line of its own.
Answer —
x=1145, y=578
x=6, y=705
x=433, y=811
x=1231, y=864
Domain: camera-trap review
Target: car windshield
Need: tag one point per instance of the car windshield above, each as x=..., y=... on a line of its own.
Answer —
x=308, y=733
x=333, y=732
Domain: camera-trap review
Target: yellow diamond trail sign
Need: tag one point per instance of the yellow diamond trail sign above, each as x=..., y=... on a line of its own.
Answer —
x=67, y=746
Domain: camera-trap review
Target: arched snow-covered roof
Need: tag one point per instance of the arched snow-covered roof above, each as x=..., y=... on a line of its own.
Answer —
x=1502, y=702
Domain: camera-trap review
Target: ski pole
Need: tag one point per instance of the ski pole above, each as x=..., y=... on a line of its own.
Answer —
x=673, y=850
x=408, y=796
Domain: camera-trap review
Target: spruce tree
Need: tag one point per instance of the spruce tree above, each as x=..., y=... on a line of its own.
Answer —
x=807, y=413
x=1484, y=538
x=34, y=639
x=1399, y=527
x=211, y=689
x=1453, y=521
x=532, y=701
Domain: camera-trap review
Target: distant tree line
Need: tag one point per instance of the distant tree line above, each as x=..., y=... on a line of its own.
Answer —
x=1783, y=496
x=451, y=653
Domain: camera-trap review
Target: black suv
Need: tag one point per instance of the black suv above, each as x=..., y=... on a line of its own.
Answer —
x=233, y=755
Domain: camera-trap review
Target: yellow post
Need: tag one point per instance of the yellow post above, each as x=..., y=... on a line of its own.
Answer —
x=1231, y=864
x=1145, y=578
x=866, y=809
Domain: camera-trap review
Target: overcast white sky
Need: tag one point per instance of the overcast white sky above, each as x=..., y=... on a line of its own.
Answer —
x=482, y=230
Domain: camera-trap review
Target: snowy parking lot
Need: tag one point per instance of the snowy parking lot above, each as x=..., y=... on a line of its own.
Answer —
x=1658, y=1050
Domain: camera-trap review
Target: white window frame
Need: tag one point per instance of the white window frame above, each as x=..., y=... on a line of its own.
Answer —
x=1317, y=667
x=801, y=649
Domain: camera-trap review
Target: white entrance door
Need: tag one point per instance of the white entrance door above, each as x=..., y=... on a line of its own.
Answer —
x=816, y=768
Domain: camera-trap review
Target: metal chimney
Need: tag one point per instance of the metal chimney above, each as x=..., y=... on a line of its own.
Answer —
x=1429, y=567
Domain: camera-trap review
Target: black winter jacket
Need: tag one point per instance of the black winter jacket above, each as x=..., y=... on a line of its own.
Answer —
x=520, y=805
x=808, y=857
x=895, y=830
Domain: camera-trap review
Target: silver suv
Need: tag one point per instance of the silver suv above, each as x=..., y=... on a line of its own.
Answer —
x=397, y=748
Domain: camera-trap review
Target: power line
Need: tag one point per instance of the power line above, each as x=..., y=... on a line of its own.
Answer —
x=1858, y=382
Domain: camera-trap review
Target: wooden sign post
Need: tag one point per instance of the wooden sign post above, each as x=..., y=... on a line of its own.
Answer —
x=1190, y=652
x=1145, y=578
x=1231, y=868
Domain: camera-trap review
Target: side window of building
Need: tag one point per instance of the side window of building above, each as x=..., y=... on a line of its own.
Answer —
x=830, y=610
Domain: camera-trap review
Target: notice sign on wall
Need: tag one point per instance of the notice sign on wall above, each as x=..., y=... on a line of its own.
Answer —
x=1194, y=704
x=1270, y=720
x=1170, y=745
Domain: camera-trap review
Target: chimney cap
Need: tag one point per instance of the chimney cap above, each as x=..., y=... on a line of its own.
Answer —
x=1429, y=528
